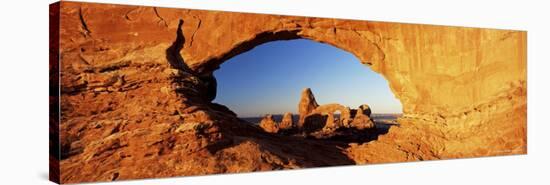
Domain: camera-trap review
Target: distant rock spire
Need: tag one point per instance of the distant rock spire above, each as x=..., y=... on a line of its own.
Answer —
x=307, y=105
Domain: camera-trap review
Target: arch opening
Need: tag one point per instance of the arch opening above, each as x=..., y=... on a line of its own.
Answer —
x=268, y=79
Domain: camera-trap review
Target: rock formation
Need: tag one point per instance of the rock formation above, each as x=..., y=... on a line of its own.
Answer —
x=313, y=123
x=365, y=109
x=323, y=117
x=332, y=108
x=269, y=125
x=287, y=122
x=362, y=120
x=306, y=106
x=331, y=122
x=136, y=88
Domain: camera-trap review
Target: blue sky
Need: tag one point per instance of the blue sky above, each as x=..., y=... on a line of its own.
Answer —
x=269, y=79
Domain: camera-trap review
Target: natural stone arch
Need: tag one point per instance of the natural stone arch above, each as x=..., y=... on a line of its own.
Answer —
x=323, y=117
x=327, y=109
x=474, y=104
x=407, y=56
x=353, y=42
x=399, y=52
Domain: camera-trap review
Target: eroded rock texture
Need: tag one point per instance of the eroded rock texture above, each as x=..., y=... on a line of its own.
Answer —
x=287, y=122
x=306, y=106
x=136, y=86
x=362, y=120
x=269, y=125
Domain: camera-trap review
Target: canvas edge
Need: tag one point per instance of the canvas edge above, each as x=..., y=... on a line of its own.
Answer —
x=54, y=148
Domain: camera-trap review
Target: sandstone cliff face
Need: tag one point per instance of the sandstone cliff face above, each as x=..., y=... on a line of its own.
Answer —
x=136, y=86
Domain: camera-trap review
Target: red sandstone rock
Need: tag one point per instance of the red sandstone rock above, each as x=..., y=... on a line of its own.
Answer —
x=287, y=122
x=306, y=106
x=136, y=84
x=345, y=115
x=269, y=125
x=331, y=122
x=361, y=120
x=365, y=109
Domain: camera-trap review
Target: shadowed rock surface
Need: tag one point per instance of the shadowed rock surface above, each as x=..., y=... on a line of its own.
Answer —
x=136, y=87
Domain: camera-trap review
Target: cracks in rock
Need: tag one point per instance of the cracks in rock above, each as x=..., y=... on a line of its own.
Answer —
x=389, y=39
x=188, y=12
x=196, y=29
x=381, y=51
x=83, y=23
x=378, y=35
x=83, y=59
x=127, y=15
x=161, y=20
x=507, y=35
x=383, y=55
x=288, y=24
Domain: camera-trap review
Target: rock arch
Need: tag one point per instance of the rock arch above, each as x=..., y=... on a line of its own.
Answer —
x=351, y=41
x=457, y=85
x=408, y=56
x=327, y=109
x=323, y=117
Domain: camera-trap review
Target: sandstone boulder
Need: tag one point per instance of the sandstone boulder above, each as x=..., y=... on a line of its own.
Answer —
x=366, y=109
x=287, y=122
x=306, y=106
x=269, y=125
x=361, y=120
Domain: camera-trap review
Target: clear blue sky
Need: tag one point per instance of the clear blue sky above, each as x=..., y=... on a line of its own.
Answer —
x=269, y=79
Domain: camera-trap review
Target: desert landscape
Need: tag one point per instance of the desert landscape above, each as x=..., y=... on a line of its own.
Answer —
x=132, y=90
